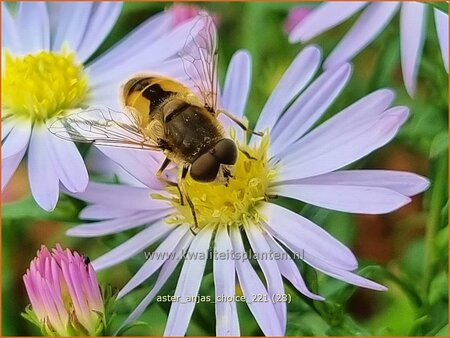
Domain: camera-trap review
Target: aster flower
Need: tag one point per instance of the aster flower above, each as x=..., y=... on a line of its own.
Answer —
x=47, y=72
x=64, y=293
x=372, y=21
x=293, y=159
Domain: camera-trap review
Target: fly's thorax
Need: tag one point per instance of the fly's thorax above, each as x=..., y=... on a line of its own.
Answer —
x=189, y=130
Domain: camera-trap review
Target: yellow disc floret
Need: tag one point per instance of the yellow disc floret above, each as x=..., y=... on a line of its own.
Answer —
x=42, y=85
x=235, y=202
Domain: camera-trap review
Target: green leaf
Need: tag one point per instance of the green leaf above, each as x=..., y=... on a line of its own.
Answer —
x=439, y=145
x=442, y=5
x=65, y=211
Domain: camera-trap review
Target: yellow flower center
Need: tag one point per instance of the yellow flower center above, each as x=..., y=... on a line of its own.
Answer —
x=42, y=85
x=231, y=204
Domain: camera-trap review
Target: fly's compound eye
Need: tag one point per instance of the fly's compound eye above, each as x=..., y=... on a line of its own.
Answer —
x=205, y=168
x=225, y=151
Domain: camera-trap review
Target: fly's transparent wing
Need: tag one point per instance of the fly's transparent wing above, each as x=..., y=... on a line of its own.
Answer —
x=102, y=126
x=199, y=56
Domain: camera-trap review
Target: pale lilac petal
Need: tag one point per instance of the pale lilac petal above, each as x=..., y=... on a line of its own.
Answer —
x=133, y=246
x=405, y=183
x=323, y=18
x=101, y=21
x=188, y=285
x=33, y=26
x=270, y=270
x=99, y=163
x=309, y=107
x=227, y=323
x=296, y=77
x=364, y=109
x=44, y=183
x=236, y=89
x=412, y=37
x=116, y=225
x=289, y=269
x=17, y=139
x=441, y=20
x=10, y=36
x=166, y=271
x=9, y=166
x=341, y=274
x=347, y=198
x=131, y=198
x=7, y=126
x=69, y=164
x=303, y=235
x=335, y=144
x=133, y=44
x=366, y=29
x=141, y=164
x=251, y=285
x=102, y=212
x=68, y=23
x=162, y=253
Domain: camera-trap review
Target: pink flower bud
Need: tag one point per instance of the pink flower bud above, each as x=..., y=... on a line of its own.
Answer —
x=64, y=293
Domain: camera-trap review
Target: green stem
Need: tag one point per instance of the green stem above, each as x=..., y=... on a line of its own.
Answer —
x=436, y=203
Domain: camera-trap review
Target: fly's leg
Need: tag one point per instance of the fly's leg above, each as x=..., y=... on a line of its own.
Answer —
x=168, y=182
x=184, y=172
x=163, y=167
x=240, y=123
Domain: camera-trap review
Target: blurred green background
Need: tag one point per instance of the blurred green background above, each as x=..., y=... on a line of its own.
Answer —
x=406, y=250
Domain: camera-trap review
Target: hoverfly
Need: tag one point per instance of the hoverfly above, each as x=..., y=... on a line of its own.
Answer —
x=165, y=115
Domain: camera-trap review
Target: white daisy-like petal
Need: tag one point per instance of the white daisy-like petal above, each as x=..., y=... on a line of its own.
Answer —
x=326, y=16
x=303, y=235
x=236, y=88
x=355, y=199
x=441, y=21
x=334, y=145
x=9, y=166
x=289, y=269
x=269, y=267
x=341, y=274
x=131, y=45
x=227, y=323
x=144, y=163
x=68, y=164
x=17, y=139
x=188, y=285
x=68, y=23
x=10, y=36
x=133, y=246
x=99, y=163
x=405, y=183
x=131, y=198
x=309, y=107
x=44, y=183
x=101, y=212
x=7, y=126
x=102, y=19
x=412, y=37
x=33, y=26
x=296, y=77
x=152, y=265
x=118, y=224
x=251, y=285
x=166, y=271
x=371, y=22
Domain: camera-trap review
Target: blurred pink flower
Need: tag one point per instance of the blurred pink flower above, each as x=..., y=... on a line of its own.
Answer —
x=182, y=13
x=64, y=293
x=295, y=16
